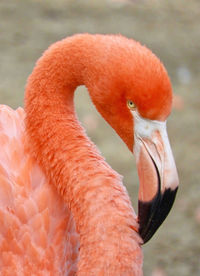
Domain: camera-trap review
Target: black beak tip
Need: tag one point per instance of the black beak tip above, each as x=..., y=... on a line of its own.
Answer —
x=153, y=213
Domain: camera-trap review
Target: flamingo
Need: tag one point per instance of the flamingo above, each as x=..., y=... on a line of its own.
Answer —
x=63, y=209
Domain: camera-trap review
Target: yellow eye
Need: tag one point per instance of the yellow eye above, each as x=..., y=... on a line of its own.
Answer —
x=131, y=105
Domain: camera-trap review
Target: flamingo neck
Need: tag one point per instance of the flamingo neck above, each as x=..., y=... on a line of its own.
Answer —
x=94, y=193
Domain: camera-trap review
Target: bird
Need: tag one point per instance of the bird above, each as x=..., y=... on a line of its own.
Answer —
x=63, y=209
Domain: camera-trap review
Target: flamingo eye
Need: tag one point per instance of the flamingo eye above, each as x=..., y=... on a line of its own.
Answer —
x=131, y=105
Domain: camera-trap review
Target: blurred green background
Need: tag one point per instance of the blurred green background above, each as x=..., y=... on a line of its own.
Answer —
x=172, y=30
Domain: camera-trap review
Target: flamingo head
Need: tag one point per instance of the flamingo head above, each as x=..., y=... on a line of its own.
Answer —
x=134, y=95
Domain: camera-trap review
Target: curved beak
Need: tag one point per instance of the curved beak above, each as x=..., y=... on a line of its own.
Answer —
x=157, y=174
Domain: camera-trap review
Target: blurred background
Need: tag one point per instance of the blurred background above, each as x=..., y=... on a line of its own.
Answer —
x=172, y=30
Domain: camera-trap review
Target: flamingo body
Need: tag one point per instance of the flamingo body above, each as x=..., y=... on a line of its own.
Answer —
x=37, y=233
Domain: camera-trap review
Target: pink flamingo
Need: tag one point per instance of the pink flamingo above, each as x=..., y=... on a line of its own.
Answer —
x=63, y=210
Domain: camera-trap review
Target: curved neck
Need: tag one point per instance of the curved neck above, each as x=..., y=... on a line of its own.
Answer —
x=93, y=191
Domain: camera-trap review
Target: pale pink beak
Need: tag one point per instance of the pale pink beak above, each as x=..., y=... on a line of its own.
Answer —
x=157, y=174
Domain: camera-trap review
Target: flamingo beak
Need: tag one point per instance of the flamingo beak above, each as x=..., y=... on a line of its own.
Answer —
x=157, y=174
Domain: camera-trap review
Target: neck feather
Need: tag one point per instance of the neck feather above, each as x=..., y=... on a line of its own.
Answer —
x=94, y=193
